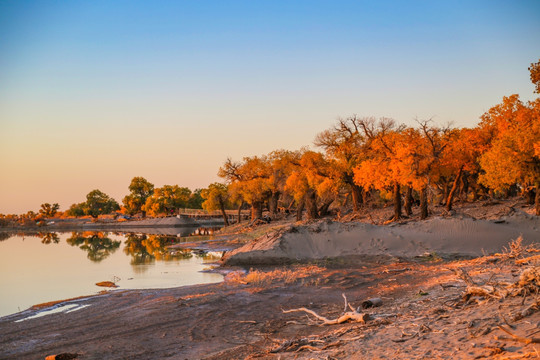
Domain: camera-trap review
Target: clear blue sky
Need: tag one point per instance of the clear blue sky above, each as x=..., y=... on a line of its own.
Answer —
x=93, y=93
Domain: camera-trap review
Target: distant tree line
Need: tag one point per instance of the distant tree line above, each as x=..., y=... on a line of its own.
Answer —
x=143, y=199
x=363, y=160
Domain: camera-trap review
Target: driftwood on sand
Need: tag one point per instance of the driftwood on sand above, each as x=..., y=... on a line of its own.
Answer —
x=351, y=315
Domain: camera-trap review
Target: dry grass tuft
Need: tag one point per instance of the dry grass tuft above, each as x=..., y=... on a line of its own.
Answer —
x=516, y=249
x=196, y=296
x=262, y=278
x=56, y=302
x=529, y=280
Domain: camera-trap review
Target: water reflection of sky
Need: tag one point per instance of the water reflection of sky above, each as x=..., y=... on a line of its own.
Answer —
x=45, y=266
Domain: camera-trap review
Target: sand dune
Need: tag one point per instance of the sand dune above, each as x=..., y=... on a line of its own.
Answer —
x=461, y=236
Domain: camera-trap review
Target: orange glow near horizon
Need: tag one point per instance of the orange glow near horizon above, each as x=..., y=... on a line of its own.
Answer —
x=96, y=93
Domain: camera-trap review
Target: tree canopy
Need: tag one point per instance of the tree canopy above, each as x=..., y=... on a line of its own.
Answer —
x=140, y=190
x=167, y=200
x=99, y=203
x=216, y=197
x=48, y=210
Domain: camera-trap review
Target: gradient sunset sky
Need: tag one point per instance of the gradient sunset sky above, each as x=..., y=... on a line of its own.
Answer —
x=93, y=93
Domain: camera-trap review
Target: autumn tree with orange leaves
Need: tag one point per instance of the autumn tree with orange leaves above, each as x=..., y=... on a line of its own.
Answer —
x=250, y=180
x=534, y=70
x=460, y=160
x=167, y=200
x=216, y=197
x=514, y=156
x=281, y=163
x=344, y=143
x=313, y=184
x=381, y=168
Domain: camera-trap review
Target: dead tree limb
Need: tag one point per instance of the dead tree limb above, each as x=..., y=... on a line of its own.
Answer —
x=528, y=259
x=352, y=315
x=518, y=338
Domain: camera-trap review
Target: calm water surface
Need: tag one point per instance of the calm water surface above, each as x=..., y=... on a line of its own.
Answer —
x=53, y=266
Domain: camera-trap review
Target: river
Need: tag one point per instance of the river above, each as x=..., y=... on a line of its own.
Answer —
x=48, y=266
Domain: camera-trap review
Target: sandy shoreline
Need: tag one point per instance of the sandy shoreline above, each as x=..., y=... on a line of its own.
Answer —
x=423, y=314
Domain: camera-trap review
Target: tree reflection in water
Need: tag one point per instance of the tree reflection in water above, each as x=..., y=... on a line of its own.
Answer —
x=5, y=236
x=47, y=238
x=145, y=249
x=97, y=244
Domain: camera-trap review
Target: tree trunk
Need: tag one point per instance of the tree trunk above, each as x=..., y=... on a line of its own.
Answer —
x=311, y=205
x=464, y=185
x=357, y=199
x=240, y=212
x=445, y=192
x=223, y=213
x=323, y=210
x=397, y=201
x=299, y=210
x=511, y=191
x=273, y=202
x=423, y=203
x=256, y=210
x=537, y=200
x=453, y=190
x=474, y=192
x=408, y=200
x=530, y=194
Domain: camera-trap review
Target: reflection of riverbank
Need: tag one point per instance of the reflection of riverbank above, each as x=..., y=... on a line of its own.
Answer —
x=161, y=226
x=144, y=247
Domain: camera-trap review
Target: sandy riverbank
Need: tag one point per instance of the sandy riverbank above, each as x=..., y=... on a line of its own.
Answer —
x=424, y=314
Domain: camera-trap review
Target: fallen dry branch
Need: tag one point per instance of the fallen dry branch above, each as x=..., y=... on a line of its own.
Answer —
x=405, y=338
x=476, y=289
x=464, y=275
x=528, y=311
x=529, y=355
x=349, y=315
x=528, y=259
x=309, y=343
x=307, y=347
x=352, y=315
x=528, y=283
x=486, y=291
x=529, y=280
x=516, y=337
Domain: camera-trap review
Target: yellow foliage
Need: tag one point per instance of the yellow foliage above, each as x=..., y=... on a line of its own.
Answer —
x=513, y=156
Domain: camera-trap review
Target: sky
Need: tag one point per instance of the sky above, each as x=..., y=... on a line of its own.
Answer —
x=94, y=93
